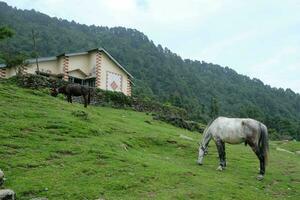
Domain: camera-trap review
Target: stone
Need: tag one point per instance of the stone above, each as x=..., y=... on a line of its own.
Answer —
x=260, y=177
x=284, y=150
x=7, y=194
x=186, y=137
x=220, y=168
x=1, y=177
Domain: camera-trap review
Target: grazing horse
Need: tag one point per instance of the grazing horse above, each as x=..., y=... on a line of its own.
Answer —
x=235, y=131
x=73, y=90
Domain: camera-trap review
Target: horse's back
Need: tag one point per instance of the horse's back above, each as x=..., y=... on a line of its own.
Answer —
x=77, y=89
x=234, y=130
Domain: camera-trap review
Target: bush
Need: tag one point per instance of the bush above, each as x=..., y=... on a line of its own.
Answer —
x=114, y=99
x=38, y=81
x=180, y=122
x=80, y=114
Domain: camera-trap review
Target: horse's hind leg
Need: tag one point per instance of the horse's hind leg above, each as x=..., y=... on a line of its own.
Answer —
x=222, y=155
x=261, y=158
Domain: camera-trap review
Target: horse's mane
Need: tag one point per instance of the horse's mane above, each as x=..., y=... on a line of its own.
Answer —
x=209, y=123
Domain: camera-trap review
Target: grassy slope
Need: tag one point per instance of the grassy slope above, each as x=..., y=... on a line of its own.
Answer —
x=115, y=154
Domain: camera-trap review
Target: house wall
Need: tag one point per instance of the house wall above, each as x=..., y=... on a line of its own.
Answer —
x=10, y=72
x=92, y=63
x=60, y=64
x=2, y=73
x=81, y=62
x=108, y=65
x=44, y=67
x=76, y=74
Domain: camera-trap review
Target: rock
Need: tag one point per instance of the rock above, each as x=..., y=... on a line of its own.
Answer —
x=284, y=150
x=186, y=137
x=260, y=177
x=1, y=177
x=7, y=194
x=220, y=168
x=148, y=122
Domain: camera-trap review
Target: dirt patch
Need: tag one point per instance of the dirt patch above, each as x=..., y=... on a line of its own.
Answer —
x=66, y=152
x=59, y=139
x=189, y=174
x=31, y=165
x=295, y=180
x=12, y=146
x=172, y=141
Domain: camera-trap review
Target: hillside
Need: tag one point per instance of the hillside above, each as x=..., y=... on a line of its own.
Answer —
x=159, y=73
x=48, y=148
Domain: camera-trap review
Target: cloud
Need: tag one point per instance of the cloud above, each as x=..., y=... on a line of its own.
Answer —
x=125, y=12
x=280, y=70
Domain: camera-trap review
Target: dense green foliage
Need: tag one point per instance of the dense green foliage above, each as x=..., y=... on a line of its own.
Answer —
x=54, y=149
x=5, y=32
x=159, y=73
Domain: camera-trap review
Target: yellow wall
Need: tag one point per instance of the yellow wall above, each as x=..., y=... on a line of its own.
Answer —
x=108, y=65
x=93, y=63
x=60, y=64
x=10, y=72
x=77, y=74
x=44, y=66
x=81, y=62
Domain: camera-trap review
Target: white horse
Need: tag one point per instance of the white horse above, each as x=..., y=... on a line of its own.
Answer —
x=235, y=131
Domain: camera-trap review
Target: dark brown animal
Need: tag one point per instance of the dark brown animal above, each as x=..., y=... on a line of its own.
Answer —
x=73, y=90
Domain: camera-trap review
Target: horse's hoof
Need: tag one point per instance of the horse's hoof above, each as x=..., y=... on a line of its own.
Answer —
x=260, y=177
x=199, y=163
x=220, y=168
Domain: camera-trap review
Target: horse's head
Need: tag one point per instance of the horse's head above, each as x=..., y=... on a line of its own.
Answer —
x=54, y=92
x=202, y=152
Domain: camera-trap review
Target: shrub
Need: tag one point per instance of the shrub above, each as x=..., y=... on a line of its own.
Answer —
x=38, y=81
x=80, y=114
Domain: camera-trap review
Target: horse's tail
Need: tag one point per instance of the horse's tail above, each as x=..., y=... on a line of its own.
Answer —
x=263, y=142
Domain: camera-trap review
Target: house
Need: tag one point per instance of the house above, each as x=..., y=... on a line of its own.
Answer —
x=95, y=68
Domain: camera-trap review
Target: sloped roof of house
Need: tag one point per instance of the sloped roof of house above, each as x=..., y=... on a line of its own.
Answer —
x=42, y=59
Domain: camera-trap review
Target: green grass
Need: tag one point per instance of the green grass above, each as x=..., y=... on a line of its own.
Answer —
x=50, y=148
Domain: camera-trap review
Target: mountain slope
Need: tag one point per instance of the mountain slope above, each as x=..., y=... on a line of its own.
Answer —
x=50, y=148
x=158, y=72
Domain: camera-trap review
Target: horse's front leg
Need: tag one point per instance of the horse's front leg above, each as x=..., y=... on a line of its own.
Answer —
x=69, y=98
x=85, y=98
x=222, y=154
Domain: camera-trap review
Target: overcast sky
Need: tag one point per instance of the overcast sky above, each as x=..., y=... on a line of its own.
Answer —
x=258, y=38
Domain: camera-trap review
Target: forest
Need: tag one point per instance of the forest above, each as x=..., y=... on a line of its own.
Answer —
x=204, y=89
